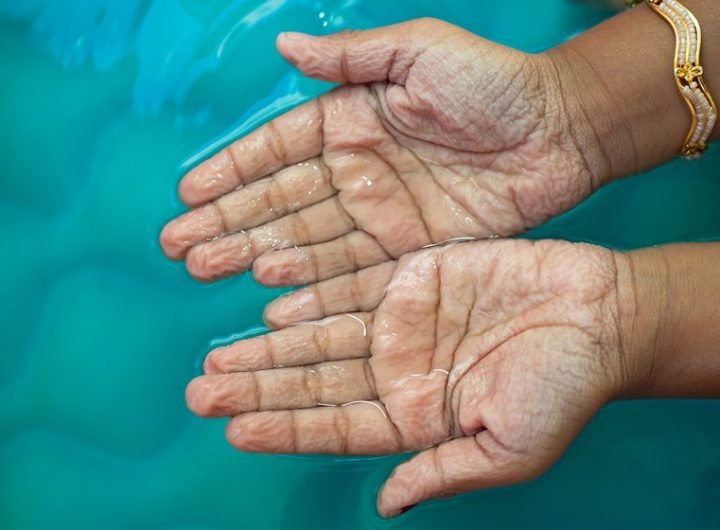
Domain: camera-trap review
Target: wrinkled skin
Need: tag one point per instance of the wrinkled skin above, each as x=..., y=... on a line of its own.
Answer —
x=488, y=357
x=436, y=134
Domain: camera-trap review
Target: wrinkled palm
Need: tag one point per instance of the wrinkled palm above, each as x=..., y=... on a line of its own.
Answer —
x=437, y=134
x=489, y=357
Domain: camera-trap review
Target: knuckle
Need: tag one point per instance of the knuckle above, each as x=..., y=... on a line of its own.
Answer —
x=321, y=340
x=312, y=380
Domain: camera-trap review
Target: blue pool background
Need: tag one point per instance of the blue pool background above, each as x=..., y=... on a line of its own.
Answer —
x=102, y=103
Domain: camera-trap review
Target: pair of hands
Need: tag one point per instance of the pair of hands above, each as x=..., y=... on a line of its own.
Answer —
x=487, y=357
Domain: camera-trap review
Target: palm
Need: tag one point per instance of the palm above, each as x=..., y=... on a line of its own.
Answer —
x=462, y=138
x=493, y=355
x=473, y=337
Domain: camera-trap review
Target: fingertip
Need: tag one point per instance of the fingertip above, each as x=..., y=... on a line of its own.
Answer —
x=287, y=44
x=213, y=178
x=270, y=318
x=189, y=229
x=196, y=396
x=169, y=242
x=189, y=193
x=263, y=272
x=259, y=432
x=210, y=365
x=220, y=258
x=293, y=37
x=234, y=432
x=385, y=507
x=403, y=489
x=295, y=307
x=197, y=188
x=199, y=265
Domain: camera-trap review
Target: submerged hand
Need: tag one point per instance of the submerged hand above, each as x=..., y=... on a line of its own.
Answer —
x=439, y=135
x=487, y=357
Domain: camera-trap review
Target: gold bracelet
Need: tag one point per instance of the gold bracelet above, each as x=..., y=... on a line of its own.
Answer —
x=689, y=74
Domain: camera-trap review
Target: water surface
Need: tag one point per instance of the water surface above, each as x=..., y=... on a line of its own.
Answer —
x=103, y=102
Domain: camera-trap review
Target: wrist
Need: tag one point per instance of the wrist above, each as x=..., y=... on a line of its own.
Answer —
x=622, y=99
x=591, y=115
x=668, y=302
x=642, y=279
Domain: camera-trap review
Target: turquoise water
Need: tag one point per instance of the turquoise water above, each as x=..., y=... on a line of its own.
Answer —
x=102, y=103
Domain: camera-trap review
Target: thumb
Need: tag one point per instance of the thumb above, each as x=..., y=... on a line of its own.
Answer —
x=362, y=56
x=456, y=466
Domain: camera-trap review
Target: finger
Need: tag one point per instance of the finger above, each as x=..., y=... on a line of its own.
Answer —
x=456, y=466
x=293, y=137
x=289, y=190
x=180, y=234
x=407, y=325
x=332, y=383
x=333, y=339
x=360, y=291
x=362, y=56
x=357, y=428
x=357, y=250
x=235, y=253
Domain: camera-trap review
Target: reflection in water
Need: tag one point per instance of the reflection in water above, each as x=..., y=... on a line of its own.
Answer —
x=175, y=43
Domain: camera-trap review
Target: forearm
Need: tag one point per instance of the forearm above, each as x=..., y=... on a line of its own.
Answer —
x=669, y=315
x=619, y=88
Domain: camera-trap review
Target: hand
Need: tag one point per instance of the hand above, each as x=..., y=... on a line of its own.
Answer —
x=488, y=357
x=439, y=134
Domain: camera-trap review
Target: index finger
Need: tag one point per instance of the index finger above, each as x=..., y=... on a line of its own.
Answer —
x=288, y=139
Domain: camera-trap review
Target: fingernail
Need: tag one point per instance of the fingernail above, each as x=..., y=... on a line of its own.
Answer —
x=236, y=431
x=290, y=308
x=196, y=396
x=209, y=365
x=295, y=35
x=407, y=508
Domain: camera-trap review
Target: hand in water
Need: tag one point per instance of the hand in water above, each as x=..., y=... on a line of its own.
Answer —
x=439, y=134
x=487, y=357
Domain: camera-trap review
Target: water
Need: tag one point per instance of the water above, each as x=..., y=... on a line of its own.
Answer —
x=102, y=103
